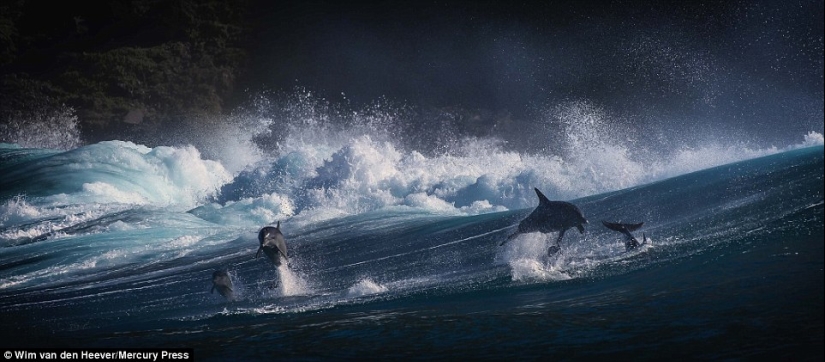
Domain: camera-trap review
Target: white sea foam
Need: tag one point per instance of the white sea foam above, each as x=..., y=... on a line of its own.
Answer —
x=16, y=210
x=365, y=287
x=291, y=282
x=367, y=174
x=328, y=163
x=123, y=172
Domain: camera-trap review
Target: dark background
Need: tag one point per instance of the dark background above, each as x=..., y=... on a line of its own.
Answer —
x=752, y=67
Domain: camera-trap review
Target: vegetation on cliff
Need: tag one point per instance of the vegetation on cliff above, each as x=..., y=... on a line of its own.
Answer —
x=123, y=64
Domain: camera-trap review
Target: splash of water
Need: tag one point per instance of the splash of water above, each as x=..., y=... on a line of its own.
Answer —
x=291, y=282
x=365, y=287
x=329, y=161
x=42, y=128
x=309, y=159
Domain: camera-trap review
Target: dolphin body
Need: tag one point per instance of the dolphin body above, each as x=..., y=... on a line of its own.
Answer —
x=551, y=216
x=625, y=229
x=272, y=243
x=221, y=282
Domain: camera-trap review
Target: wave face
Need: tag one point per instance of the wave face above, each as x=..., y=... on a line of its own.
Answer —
x=394, y=246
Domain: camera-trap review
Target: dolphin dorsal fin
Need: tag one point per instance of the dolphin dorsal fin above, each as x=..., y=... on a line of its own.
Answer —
x=279, y=225
x=542, y=199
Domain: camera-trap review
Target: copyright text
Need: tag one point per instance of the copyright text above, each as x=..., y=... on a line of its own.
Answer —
x=100, y=354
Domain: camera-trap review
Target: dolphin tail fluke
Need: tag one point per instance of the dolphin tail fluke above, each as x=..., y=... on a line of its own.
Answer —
x=644, y=238
x=615, y=226
x=612, y=226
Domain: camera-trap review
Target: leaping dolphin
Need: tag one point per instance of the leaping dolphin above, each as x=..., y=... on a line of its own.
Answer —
x=221, y=281
x=551, y=216
x=272, y=243
x=625, y=229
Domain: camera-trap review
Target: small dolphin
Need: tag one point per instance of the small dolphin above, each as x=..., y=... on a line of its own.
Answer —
x=551, y=216
x=221, y=281
x=272, y=243
x=625, y=229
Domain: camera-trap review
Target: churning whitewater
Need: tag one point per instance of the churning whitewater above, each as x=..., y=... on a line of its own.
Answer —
x=116, y=243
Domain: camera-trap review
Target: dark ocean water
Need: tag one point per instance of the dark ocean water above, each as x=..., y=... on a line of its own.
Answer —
x=114, y=245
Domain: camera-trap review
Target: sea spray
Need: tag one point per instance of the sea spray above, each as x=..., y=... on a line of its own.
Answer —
x=42, y=127
x=327, y=159
x=526, y=255
x=291, y=282
x=117, y=172
x=365, y=287
x=330, y=162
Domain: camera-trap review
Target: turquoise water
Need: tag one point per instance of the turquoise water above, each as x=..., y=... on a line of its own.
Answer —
x=114, y=245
